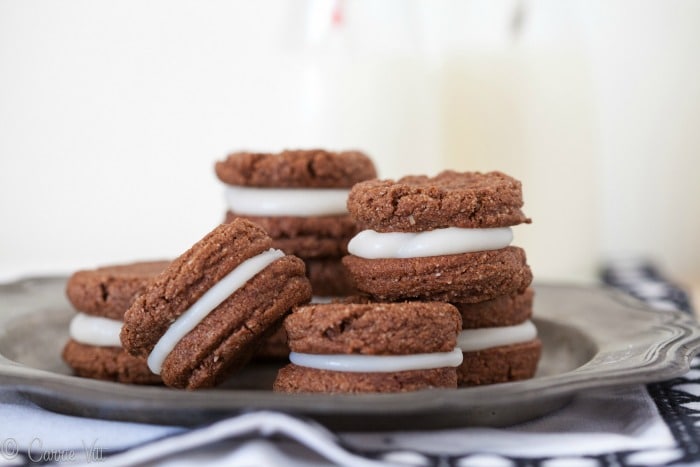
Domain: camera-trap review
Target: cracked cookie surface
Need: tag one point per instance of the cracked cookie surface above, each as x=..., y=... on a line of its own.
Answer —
x=450, y=199
x=109, y=290
x=373, y=328
x=309, y=168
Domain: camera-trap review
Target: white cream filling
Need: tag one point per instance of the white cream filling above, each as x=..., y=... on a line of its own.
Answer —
x=287, y=201
x=378, y=363
x=471, y=340
x=212, y=298
x=448, y=241
x=95, y=330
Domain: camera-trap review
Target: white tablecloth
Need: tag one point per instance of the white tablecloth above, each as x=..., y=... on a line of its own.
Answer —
x=594, y=423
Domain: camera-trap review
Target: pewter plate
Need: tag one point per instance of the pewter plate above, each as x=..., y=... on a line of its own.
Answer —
x=592, y=337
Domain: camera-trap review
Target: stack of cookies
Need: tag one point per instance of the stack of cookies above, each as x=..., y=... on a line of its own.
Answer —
x=299, y=197
x=447, y=238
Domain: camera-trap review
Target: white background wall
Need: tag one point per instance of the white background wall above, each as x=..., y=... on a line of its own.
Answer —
x=112, y=115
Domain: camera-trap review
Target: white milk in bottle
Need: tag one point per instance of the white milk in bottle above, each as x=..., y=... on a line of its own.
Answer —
x=517, y=96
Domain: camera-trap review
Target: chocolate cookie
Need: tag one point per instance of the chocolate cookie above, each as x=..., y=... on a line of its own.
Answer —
x=108, y=291
x=107, y=363
x=373, y=347
x=300, y=199
x=450, y=199
x=203, y=317
x=505, y=310
x=295, y=378
x=500, y=364
x=101, y=296
x=313, y=168
x=467, y=277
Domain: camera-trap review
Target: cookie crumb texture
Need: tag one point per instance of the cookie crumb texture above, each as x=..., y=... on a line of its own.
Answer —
x=450, y=199
x=107, y=363
x=500, y=364
x=294, y=378
x=227, y=337
x=466, y=278
x=312, y=168
x=108, y=291
x=373, y=329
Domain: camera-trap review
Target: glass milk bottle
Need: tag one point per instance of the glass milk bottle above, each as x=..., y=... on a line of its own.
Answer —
x=646, y=72
x=359, y=79
x=517, y=97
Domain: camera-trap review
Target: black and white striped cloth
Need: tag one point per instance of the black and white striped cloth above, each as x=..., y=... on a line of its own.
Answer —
x=678, y=400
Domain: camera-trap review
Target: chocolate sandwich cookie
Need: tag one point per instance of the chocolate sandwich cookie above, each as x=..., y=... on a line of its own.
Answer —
x=498, y=340
x=202, y=318
x=101, y=296
x=372, y=347
x=441, y=238
x=299, y=198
